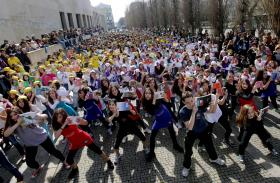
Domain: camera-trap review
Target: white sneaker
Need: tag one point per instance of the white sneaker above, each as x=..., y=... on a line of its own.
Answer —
x=125, y=139
x=185, y=172
x=147, y=130
x=218, y=161
x=241, y=158
x=274, y=152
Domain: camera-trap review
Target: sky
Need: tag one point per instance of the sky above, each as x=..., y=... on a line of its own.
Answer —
x=118, y=6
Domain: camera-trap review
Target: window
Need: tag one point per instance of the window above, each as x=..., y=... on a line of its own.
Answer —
x=63, y=20
x=84, y=21
x=91, y=23
x=70, y=20
x=78, y=17
x=88, y=21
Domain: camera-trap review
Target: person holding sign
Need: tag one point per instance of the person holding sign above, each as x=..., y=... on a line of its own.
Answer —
x=194, y=119
x=32, y=136
x=163, y=119
x=126, y=124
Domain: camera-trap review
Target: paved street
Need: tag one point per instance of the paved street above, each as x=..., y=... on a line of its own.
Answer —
x=259, y=165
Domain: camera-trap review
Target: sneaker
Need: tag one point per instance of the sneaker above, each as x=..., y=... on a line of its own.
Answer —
x=241, y=158
x=185, y=172
x=35, y=173
x=274, y=152
x=117, y=159
x=147, y=130
x=73, y=173
x=178, y=148
x=125, y=139
x=110, y=165
x=218, y=161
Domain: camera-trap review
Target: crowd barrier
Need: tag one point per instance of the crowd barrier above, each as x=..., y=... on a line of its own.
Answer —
x=42, y=53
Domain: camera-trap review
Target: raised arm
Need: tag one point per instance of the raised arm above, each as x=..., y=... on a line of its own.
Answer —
x=10, y=130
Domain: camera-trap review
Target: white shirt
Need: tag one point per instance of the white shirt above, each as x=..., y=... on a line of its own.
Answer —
x=260, y=64
x=213, y=117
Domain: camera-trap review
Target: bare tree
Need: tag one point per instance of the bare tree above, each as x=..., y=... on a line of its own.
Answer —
x=242, y=9
x=272, y=9
x=218, y=15
x=175, y=13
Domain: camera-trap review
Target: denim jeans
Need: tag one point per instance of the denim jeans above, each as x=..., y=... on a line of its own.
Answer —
x=9, y=167
x=13, y=140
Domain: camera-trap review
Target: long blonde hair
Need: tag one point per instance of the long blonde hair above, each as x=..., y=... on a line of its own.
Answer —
x=241, y=118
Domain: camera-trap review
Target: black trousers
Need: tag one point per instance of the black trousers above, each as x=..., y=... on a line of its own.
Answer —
x=31, y=152
x=154, y=134
x=124, y=131
x=206, y=139
x=233, y=100
x=226, y=125
x=209, y=130
x=262, y=133
x=72, y=153
x=273, y=101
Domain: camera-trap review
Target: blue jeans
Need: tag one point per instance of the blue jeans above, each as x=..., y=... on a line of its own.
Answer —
x=6, y=164
x=13, y=140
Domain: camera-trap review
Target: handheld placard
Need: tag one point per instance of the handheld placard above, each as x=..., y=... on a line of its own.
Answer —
x=123, y=106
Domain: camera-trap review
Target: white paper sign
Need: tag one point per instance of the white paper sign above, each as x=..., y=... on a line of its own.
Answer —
x=159, y=95
x=123, y=106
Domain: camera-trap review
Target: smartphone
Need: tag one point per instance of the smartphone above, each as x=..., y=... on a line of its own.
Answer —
x=259, y=84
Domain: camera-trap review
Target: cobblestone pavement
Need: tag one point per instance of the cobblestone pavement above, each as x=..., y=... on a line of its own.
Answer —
x=260, y=165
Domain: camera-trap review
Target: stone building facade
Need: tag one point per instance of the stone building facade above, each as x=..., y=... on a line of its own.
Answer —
x=106, y=10
x=19, y=18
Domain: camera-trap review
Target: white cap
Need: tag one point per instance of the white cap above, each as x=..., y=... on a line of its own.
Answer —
x=124, y=65
x=107, y=64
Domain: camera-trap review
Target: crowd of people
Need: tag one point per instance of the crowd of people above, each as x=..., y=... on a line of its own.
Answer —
x=115, y=80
